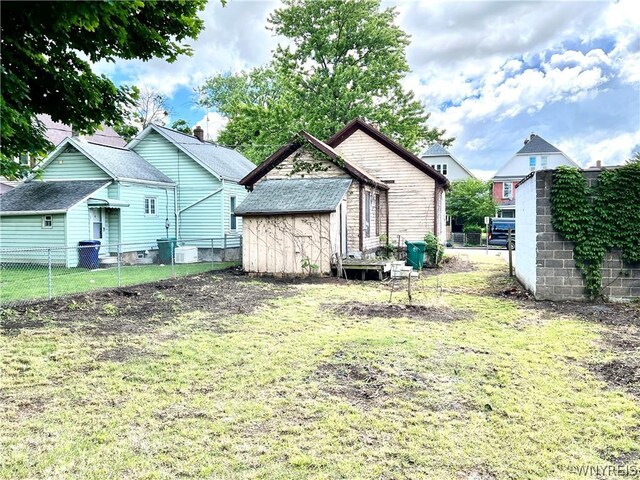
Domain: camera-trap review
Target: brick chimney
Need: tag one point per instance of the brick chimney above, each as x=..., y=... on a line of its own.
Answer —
x=198, y=132
x=598, y=163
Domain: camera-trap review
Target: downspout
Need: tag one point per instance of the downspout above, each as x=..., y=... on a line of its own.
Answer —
x=387, y=214
x=176, y=215
x=435, y=210
x=360, y=214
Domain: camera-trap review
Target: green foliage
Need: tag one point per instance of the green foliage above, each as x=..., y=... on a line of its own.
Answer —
x=344, y=60
x=434, y=250
x=389, y=249
x=472, y=229
x=47, y=51
x=470, y=201
x=599, y=219
x=309, y=266
x=181, y=125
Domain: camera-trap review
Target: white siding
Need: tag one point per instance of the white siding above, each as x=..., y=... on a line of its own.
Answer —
x=518, y=166
x=454, y=171
x=285, y=168
x=525, y=253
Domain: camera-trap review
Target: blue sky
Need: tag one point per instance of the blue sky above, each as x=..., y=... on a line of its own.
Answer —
x=489, y=72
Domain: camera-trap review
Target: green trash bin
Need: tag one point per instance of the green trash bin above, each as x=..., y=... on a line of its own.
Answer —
x=415, y=254
x=166, y=249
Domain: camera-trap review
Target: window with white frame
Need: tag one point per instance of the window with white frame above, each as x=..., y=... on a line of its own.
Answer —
x=532, y=163
x=507, y=190
x=47, y=221
x=543, y=162
x=444, y=169
x=150, y=206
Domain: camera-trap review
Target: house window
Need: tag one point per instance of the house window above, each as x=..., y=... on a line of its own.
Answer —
x=444, y=169
x=367, y=214
x=377, y=204
x=233, y=222
x=543, y=162
x=47, y=221
x=507, y=190
x=532, y=163
x=150, y=206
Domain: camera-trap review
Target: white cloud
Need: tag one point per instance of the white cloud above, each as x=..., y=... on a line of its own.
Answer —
x=600, y=146
x=212, y=123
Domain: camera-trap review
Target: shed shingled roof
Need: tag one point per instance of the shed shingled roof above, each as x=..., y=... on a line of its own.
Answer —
x=287, y=196
x=36, y=196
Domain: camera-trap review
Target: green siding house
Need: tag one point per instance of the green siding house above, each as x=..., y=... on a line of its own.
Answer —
x=86, y=191
x=206, y=177
x=164, y=183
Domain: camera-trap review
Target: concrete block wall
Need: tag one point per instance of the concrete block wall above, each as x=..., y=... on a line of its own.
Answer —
x=557, y=277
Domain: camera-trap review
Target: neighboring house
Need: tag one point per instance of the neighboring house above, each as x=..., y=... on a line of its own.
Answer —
x=206, y=177
x=442, y=161
x=313, y=202
x=86, y=191
x=536, y=154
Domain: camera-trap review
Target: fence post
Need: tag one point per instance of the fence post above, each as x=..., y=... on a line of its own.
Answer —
x=173, y=262
x=212, y=262
x=224, y=250
x=50, y=275
x=118, y=254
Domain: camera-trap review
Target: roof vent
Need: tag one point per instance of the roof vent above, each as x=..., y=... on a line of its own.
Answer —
x=198, y=132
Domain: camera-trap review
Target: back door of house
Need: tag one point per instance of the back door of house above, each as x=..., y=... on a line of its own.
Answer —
x=97, y=224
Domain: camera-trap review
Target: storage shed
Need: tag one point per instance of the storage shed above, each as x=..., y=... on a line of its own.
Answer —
x=294, y=226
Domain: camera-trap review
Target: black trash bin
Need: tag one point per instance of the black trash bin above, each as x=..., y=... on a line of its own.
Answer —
x=88, y=254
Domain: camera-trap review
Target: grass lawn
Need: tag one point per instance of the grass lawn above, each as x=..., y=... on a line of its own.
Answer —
x=32, y=282
x=216, y=376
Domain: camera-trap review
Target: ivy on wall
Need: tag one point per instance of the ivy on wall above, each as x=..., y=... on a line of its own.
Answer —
x=598, y=219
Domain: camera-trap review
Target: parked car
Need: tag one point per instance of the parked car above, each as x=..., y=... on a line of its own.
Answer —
x=498, y=233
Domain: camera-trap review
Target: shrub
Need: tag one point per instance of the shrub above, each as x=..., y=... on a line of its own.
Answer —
x=472, y=229
x=434, y=250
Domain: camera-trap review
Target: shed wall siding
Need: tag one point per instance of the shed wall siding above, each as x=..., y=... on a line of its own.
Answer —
x=285, y=168
x=411, y=197
x=73, y=166
x=278, y=245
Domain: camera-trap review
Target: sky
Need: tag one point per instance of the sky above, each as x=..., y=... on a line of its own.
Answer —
x=490, y=72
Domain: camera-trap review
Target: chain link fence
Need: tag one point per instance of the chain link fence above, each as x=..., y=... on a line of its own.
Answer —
x=33, y=274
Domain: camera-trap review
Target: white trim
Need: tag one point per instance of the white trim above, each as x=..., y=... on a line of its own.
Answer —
x=452, y=158
x=44, y=219
x=15, y=213
x=153, y=212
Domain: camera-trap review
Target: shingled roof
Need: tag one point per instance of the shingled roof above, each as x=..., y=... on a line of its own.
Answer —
x=221, y=161
x=289, y=196
x=538, y=144
x=47, y=197
x=435, y=150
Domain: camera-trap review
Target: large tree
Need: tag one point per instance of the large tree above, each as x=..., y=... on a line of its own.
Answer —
x=470, y=201
x=47, y=50
x=342, y=60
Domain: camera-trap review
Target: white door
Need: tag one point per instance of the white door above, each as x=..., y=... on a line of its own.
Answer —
x=97, y=224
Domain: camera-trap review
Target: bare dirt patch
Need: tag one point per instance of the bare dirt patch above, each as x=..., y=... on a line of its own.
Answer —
x=363, y=383
x=122, y=354
x=396, y=310
x=143, y=308
x=451, y=264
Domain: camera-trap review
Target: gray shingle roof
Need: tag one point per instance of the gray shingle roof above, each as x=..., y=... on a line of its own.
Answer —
x=224, y=161
x=435, y=150
x=537, y=144
x=281, y=197
x=48, y=196
x=123, y=163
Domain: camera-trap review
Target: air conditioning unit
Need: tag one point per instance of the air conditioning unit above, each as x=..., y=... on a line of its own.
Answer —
x=186, y=254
